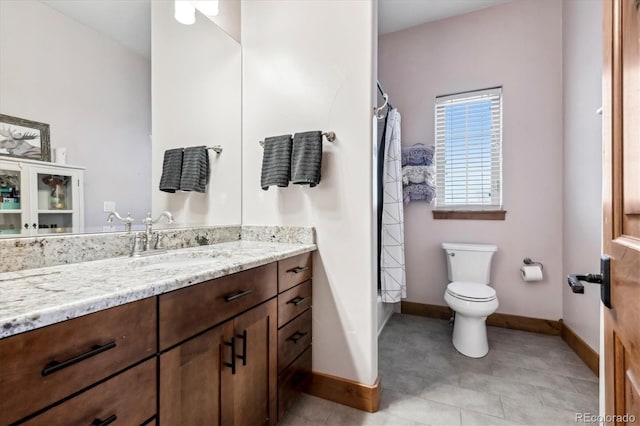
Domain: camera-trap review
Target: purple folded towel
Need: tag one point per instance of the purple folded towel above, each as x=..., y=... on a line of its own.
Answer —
x=418, y=192
x=418, y=155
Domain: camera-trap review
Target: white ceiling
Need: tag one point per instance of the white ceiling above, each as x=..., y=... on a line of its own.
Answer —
x=396, y=15
x=128, y=22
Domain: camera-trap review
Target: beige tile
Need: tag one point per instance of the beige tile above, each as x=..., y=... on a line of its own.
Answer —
x=419, y=410
x=520, y=413
x=576, y=371
x=573, y=401
x=353, y=417
x=311, y=408
x=465, y=398
x=586, y=387
x=498, y=386
x=293, y=420
x=471, y=418
x=533, y=377
x=426, y=381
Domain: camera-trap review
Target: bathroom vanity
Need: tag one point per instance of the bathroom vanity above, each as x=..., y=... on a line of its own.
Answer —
x=225, y=340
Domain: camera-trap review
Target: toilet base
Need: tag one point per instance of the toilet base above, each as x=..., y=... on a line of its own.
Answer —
x=470, y=336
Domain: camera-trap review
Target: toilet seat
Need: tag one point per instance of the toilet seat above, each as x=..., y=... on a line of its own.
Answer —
x=472, y=292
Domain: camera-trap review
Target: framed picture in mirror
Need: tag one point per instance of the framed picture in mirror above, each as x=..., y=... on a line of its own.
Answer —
x=24, y=138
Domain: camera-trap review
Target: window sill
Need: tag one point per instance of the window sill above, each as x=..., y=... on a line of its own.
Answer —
x=469, y=214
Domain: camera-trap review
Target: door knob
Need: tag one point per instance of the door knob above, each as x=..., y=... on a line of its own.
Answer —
x=603, y=278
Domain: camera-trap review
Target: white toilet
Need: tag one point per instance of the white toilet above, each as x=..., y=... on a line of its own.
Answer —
x=469, y=295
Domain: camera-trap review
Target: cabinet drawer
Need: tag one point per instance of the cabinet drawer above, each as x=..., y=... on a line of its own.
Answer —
x=293, y=271
x=186, y=312
x=130, y=397
x=293, y=380
x=293, y=302
x=293, y=338
x=40, y=367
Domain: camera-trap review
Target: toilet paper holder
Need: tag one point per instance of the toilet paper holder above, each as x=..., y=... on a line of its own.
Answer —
x=528, y=261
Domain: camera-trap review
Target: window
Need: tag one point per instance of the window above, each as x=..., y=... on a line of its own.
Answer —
x=468, y=129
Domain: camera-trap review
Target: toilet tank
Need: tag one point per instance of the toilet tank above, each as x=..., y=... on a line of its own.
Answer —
x=469, y=262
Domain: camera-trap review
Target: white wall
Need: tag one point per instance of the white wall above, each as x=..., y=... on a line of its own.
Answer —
x=228, y=18
x=582, y=221
x=196, y=98
x=308, y=65
x=94, y=94
x=517, y=45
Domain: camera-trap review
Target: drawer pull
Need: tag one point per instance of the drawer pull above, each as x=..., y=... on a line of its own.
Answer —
x=54, y=365
x=238, y=295
x=298, y=269
x=243, y=356
x=296, y=300
x=297, y=336
x=232, y=364
x=105, y=422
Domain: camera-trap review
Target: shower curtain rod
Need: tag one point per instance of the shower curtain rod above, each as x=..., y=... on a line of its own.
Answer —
x=382, y=92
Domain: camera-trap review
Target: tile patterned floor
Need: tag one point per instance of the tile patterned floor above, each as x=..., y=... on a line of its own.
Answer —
x=526, y=379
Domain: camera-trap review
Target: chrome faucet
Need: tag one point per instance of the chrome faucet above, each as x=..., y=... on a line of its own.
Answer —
x=126, y=220
x=148, y=229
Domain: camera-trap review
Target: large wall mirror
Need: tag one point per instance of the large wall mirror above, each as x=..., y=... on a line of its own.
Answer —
x=120, y=82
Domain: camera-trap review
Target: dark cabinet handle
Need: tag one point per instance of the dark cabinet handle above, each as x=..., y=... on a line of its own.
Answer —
x=232, y=364
x=34, y=226
x=105, y=422
x=243, y=356
x=298, y=269
x=54, y=365
x=297, y=336
x=296, y=300
x=26, y=226
x=237, y=295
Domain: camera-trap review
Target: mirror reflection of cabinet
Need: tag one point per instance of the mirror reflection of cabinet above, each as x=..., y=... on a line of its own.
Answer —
x=38, y=198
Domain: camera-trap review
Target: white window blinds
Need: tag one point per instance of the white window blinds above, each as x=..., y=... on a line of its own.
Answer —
x=468, y=129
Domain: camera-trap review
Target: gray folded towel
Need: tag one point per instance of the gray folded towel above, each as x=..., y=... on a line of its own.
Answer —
x=195, y=169
x=171, y=170
x=276, y=162
x=306, y=158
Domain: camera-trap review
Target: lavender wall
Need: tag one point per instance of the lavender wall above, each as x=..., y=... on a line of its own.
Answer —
x=517, y=45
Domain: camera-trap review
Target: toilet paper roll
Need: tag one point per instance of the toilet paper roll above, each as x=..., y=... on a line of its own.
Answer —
x=531, y=272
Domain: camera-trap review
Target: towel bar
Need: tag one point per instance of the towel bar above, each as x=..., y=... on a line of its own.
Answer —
x=331, y=136
x=216, y=148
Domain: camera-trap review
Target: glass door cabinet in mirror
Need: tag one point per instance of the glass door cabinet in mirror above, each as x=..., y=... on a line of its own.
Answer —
x=40, y=198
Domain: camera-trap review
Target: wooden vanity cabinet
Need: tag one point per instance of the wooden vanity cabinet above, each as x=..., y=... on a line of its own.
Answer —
x=43, y=366
x=227, y=374
x=230, y=351
x=294, y=329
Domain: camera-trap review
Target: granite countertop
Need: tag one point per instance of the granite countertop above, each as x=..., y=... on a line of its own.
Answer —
x=35, y=298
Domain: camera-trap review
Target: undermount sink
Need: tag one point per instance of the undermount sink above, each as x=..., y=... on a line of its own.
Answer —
x=177, y=258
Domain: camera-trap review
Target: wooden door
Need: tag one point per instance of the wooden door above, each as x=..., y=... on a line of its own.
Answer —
x=254, y=386
x=195, y=382
x=621, y=205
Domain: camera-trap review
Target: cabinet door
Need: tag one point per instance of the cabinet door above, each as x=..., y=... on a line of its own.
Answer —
x=195, y=378
x=56, y=200
x=14, y=221
x=254, y=385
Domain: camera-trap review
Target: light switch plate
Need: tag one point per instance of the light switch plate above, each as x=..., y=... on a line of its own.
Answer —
x=109, y=206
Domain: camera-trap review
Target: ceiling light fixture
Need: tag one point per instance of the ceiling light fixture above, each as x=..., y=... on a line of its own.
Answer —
x=185, y=10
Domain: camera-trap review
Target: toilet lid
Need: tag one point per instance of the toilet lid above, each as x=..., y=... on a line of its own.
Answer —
x=471, y=291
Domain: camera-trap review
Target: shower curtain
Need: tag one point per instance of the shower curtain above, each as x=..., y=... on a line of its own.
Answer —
x=392, y=274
